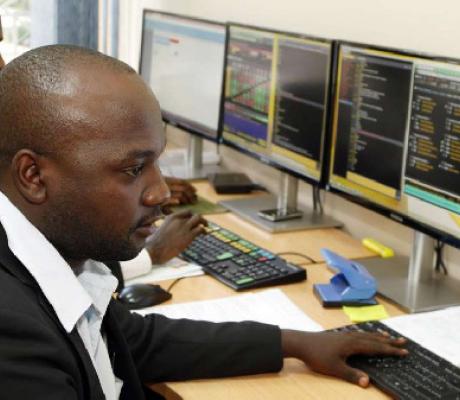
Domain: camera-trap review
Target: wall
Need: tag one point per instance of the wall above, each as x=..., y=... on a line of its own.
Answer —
x=420, y=25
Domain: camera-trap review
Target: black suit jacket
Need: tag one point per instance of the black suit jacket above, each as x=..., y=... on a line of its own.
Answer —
x=40, y=360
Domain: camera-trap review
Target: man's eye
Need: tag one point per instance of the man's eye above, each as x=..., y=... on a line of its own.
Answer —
x=135, y=171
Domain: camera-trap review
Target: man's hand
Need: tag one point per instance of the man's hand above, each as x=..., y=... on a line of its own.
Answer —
x=327, y=352
x=176, y=232
x=182, y=192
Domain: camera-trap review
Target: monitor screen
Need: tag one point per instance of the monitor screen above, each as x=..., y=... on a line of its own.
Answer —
x=433, y=153
x=183, y=61
x=396, y=136
x=276, y=95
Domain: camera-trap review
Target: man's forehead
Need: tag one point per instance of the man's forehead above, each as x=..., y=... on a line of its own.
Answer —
x=117, y=106
x=121, y=146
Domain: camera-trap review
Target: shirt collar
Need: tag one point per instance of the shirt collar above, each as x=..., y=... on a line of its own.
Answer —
x=53, y=274
x=99, y=283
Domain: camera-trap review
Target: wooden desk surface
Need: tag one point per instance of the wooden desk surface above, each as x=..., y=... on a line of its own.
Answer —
x=295, y=381
x=308, y=242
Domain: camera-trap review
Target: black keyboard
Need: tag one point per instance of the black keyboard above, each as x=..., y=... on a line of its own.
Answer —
x=238, y=263
x=421, y=375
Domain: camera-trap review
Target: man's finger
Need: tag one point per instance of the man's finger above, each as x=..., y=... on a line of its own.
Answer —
x=386, y=338
x=172, y=201
x=198, y=230
x=352, y=375
x=180, y=197
x=183, y=214
x=195, y=220
x=370, y=347
x=191, y=197
x=181, y=187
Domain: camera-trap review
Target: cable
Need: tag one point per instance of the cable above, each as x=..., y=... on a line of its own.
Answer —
x=440, y=266
x=293, y=253
x=317, y=202
x=173, y=283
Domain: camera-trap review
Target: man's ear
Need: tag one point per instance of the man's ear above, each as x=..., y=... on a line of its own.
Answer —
x=27, y=175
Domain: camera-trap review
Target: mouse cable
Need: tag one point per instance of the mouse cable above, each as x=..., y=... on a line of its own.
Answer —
x=173, y=283
x=293, y=253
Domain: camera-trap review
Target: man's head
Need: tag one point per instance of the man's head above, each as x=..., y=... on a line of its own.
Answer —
x=80, y=135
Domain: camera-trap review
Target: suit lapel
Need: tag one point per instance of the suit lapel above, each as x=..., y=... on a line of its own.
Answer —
x=122, y=361
x=12, y=264
x=92, y=388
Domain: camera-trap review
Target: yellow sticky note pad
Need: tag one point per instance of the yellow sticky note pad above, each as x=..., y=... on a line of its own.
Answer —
x=365, y=313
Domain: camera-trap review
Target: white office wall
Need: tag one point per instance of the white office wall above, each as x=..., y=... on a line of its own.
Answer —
x=421, y=25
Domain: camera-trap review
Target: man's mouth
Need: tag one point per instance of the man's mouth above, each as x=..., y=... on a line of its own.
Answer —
x=147, y=227
x=146, y=230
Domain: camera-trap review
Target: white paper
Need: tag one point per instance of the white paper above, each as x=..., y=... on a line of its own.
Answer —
x=173, y=269
x=270, y=306
x=438, y=331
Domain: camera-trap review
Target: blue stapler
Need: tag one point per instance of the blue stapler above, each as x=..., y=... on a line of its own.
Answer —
x=352, y=285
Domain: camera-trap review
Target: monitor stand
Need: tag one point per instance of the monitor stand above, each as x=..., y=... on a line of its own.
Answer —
x=286, y=205
x=193, y=168
x=413, y=283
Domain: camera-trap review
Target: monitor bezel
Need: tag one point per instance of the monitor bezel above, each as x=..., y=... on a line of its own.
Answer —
x=321, y=182
x=396, y=216
x=188, y=126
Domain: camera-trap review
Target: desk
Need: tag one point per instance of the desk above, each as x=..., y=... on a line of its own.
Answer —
x=308, y=242
x=295, y=381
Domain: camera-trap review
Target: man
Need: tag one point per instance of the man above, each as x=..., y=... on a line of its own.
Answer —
x=161, y=247
x=182, y=192
x=80, y=136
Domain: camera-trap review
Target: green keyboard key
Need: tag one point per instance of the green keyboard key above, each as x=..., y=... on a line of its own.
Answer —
x=242, y=281
x=224, y=256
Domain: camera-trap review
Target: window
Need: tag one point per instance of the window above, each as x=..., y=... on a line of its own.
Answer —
x=15, y=15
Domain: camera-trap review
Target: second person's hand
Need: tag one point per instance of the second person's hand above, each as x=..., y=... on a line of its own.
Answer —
x=182, y=192
x=174, y=235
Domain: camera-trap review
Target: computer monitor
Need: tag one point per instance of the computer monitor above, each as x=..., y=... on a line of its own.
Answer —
x=182, y=59
x=395, y=148
x=275, y=109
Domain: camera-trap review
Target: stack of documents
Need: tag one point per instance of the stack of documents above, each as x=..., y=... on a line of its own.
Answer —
x=270, y=306
x=438, y=331
x=173, y=269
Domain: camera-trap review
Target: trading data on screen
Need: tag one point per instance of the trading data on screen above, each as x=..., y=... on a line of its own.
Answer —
x=276, y=97
x=371, y=121
x=433, y=154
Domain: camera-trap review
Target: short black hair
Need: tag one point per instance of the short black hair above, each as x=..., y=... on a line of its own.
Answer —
x=30, y=116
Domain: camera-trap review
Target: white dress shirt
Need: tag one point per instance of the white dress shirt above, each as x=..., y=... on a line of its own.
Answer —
x=140, y=265
x=79, y=298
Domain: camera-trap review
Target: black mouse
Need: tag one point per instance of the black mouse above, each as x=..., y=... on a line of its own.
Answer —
x=143, y=295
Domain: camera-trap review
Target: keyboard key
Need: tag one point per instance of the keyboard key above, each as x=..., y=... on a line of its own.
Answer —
x=224, y=256
x=242, y=281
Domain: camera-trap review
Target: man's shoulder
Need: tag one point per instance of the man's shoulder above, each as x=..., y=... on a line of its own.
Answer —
x=19, y=297
x=13, y=289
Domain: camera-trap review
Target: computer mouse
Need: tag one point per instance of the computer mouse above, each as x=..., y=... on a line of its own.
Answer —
x=143, y=295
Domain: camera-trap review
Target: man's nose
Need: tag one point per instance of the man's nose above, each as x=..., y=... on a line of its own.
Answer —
x=157, y=193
